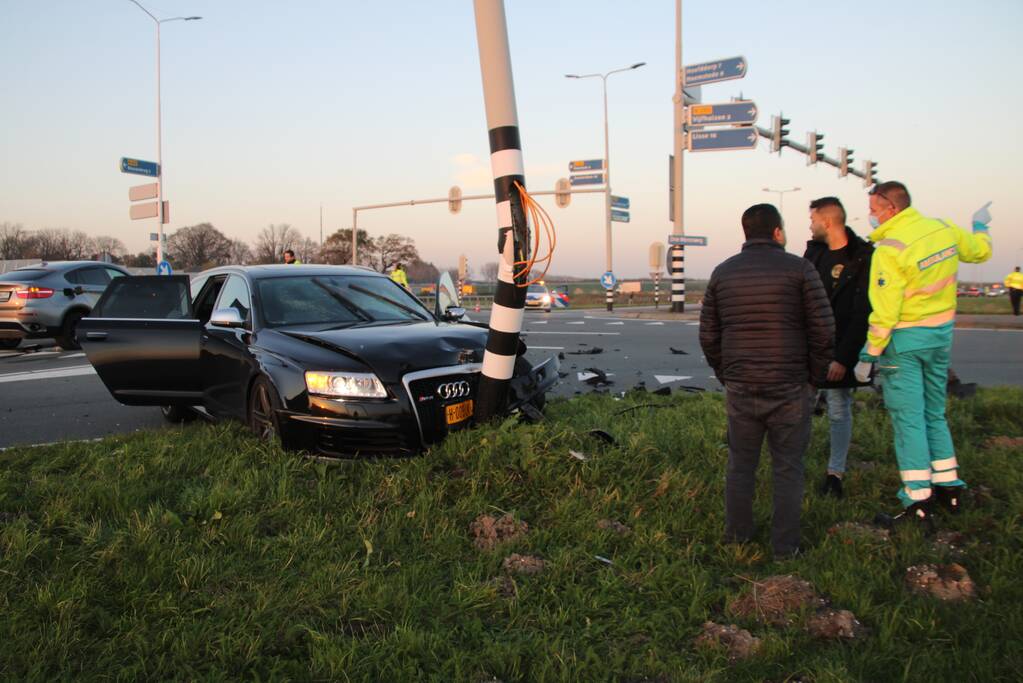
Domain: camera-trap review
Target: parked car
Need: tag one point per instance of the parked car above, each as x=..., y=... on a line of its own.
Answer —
x=537, y=296
x=48, y=300
x=337, y=360
x=996, y=290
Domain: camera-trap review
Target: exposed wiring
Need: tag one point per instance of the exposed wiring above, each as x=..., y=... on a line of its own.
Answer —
x=539, y=216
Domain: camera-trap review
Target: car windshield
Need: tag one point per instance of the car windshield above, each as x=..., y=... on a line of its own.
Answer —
x=536, y=289
x=24, y=275
x=336, y=300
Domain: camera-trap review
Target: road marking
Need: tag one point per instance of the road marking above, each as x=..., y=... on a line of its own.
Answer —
x=53, y=443
x=598, y=334
x=549, y=348
x=537, y=322
x=8, y=354
x=583, y=376
x=668, y=379
x=653, y=323
x=691, y=324
x=619, y=323
x=577, y=322
x=48, y=374
x=74, y=355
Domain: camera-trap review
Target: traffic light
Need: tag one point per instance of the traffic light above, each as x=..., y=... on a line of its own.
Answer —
x=845, y=159
x=779, y=133
x=869, y=173
x=814, y=147
x=455, y=199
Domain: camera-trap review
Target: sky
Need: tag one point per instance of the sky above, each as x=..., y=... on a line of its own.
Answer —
x=272, y=109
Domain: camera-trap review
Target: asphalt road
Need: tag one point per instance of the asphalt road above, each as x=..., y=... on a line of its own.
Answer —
x=48, y=395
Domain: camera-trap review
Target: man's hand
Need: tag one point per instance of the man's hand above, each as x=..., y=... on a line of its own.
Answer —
x=836, y=371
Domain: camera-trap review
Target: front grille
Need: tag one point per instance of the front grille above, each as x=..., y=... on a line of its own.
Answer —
x=430, y=407
x=353, y=442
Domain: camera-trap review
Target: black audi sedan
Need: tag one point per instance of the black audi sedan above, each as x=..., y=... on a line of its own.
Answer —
x=337, y=360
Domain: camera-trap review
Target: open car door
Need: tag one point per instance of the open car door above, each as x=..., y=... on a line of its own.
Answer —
x=143, y=339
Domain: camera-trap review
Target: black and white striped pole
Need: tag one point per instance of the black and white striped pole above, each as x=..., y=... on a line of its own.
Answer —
x=512, y=228
x=656, y=257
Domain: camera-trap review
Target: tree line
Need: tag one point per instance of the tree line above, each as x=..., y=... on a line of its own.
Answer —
x=201, y=246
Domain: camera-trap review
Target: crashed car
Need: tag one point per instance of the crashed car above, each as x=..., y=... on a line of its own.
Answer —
x=336, y=360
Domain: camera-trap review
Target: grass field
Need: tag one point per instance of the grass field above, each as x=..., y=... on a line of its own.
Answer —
x=201, y=554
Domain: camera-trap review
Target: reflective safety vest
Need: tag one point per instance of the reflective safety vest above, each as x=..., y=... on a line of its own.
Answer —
x=399, y=276
x=913, y=278
x=1014, y=280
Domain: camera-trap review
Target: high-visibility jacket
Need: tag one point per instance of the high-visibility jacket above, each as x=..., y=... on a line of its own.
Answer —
x=1014, y=280
x=399, y=276
x=913, y=280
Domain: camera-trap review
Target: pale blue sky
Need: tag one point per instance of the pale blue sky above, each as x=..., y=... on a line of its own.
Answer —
x=271, y=108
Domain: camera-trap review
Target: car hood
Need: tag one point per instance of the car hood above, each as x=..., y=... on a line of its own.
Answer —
x=393, y=350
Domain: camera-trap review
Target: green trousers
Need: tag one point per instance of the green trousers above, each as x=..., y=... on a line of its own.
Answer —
x=914, y=384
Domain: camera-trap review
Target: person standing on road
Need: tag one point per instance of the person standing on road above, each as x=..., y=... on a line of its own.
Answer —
x=399, y=276
x=842, y=260
x=289, y=258
x=1014, y=282
x=913, y=297
x=767, y=330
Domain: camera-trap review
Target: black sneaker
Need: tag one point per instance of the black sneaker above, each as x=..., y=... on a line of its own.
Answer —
x=831, y=486
x=920, y=513
x=950, y=498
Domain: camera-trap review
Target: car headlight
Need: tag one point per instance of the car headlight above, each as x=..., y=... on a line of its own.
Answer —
x=345, y=384
x=546, y=298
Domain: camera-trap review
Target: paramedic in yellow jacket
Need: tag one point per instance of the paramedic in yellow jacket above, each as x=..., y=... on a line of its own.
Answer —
x=913, y=297
x=1014, y=283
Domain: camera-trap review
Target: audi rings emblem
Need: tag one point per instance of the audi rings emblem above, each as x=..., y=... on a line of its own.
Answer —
x=449, y=390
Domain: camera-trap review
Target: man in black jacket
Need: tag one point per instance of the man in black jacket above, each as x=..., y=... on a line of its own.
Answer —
x=843, y=262
x=767, y=330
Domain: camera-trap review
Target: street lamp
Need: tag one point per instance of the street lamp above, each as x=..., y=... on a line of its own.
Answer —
x=159, y=132
x=781, y=196
x=607, y=171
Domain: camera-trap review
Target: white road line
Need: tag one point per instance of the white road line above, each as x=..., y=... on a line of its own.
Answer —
x=691, y=324
x=36, y=354
x=537, y=322
x=548, y=348
x=569, y=332
x=618, y=323
x=47, y=374
x=74, y=355
x=577, y=322
x=653, y=323
x=668, y=379
x=8, y=354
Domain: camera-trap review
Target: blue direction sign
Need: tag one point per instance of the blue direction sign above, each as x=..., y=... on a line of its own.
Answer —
x=688, y=240
x=139, y=167
x=734, y=113
x=163, y=268
x=619, y=216
x=723, y=139
x=587, y=179
x=714, y=72
x=619, y=202
x=608, y=280
x=586, y=165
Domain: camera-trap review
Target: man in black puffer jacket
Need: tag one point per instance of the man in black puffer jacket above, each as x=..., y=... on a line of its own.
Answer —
x=843, y=261
x=767, y=330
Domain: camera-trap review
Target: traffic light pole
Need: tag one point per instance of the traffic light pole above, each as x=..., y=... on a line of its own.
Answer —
x=677, y=251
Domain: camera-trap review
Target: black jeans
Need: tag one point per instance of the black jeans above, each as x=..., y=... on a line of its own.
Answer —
x=783, y=412
x=1014, y=297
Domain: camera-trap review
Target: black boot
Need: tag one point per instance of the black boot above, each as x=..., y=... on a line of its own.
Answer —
x=950, y=497
x=920, y=513
x=831, y=486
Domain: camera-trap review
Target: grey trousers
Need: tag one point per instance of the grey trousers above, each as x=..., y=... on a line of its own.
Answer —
x=782, y=412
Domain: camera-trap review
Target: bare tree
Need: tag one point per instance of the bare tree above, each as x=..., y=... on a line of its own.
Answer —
x=337, y=248
x=15, y=242
x=61, y=244
x=421, y=271
x=199, y=246
x=490, y=270
x=105, y=244
x=273, y=240
x=393, y=249
x=241, y=253
x=306, y=250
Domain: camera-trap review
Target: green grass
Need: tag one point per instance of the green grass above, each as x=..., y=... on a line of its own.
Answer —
x=999, y=305
x=200, y=554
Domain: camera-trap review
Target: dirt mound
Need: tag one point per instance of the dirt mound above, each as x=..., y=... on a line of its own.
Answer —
x=949, y=582
x=523, y=564
x=835, y=625
x=488, y=531
x=851, y=531
x=1011, y=442
x=613, y=525
x=738, y=643
x=776, y=600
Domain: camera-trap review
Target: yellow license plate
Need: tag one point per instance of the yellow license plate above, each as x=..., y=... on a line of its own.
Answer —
x=458, y=412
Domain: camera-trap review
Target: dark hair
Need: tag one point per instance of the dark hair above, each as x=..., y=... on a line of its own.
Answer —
x=289, y=252
x=895, y=192
x=828, y=201
x=760, y=220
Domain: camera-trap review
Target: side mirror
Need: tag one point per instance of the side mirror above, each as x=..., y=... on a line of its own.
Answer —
x=79, y=290
x=227, y=317
x=454, y=313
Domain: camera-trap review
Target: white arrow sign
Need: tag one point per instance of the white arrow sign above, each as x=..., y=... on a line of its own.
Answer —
x=668, y=379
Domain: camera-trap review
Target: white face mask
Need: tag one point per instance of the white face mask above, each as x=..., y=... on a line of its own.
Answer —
x=874, y=222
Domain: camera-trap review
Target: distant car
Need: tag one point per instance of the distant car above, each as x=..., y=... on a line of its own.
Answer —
x=48, y=300
x=973, y=292
x=337, y=360
x=996, y=290
x=538, y=296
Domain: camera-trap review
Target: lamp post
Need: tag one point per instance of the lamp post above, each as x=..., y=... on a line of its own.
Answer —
x=159, y=130
x=781, y=197
x=607, y=171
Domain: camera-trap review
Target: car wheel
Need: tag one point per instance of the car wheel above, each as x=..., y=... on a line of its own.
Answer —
x=68, y=338
x=177, y=414
x=8, y=344
x=524, y=367
x=263, y=406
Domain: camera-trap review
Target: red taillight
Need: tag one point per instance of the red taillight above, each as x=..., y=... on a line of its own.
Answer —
x=34, y=293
